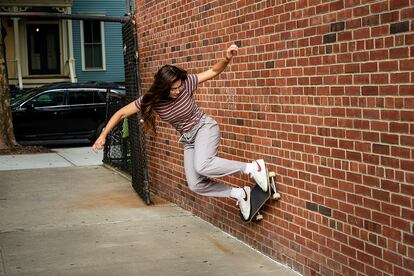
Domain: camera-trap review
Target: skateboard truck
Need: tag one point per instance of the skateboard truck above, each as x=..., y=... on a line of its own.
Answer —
x=275, y=194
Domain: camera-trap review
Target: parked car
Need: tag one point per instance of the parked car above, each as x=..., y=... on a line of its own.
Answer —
x=62, y=111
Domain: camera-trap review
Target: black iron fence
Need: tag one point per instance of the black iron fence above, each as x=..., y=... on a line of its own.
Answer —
x=125, y=146
x=117, y=151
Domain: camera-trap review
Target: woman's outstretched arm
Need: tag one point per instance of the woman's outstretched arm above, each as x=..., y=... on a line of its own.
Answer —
x=219, y=66
x=124, y=112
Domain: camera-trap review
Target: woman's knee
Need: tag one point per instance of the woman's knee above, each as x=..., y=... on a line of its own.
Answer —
x=202, y=166
x=195, y=186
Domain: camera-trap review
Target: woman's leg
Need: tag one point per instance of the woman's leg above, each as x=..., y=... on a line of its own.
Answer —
x=201, y=184
x=208, y=164
x=205, y=150
x=204, y=186
x=200, y=163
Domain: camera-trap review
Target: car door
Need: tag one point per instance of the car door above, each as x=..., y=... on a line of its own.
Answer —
x=84, y=114
x=39, y=117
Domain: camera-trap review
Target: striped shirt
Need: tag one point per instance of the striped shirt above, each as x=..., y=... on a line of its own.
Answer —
x=181, y=112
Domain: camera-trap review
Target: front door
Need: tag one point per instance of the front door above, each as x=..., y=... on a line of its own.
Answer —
x=43, y=49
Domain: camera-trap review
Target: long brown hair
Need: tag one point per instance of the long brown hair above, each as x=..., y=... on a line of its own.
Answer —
x=159, y=92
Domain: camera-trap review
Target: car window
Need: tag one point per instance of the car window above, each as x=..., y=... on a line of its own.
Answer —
x=48, y=99
x=80, y=97
x=100, y=97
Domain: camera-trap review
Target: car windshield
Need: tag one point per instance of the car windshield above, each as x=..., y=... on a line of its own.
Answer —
x=21, y=97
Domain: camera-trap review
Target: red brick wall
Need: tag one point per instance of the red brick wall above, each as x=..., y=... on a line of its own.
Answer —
x=322, y=90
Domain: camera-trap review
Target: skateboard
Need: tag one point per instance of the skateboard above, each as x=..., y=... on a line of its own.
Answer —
x=258, y=198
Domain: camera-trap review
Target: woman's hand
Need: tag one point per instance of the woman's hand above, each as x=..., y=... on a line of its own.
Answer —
x=99, y=143
x=231, y=51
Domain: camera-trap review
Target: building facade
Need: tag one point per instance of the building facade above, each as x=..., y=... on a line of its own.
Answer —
x=44, y=51
x=323, y=91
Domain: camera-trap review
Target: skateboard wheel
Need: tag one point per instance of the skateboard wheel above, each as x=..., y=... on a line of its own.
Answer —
x=276, y=196
x=272, y=174
x=259, y=217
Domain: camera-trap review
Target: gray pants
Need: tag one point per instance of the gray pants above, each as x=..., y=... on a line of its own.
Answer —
x=200, y=161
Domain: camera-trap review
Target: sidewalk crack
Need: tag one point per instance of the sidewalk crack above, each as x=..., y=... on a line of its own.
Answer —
x=66, y=159
x=2, y=263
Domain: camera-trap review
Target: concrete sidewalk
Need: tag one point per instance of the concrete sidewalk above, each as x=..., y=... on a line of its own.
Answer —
x=87, y=220
x=62, y=157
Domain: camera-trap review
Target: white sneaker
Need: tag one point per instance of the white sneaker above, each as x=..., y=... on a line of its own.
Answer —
x=244, y=203
x=260, y=175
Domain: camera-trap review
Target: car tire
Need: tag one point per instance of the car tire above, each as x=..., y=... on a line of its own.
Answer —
x=98, y=131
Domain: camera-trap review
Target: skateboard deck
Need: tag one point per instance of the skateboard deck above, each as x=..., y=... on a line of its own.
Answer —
x=258, y=198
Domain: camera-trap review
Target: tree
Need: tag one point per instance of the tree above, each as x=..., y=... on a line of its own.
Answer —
x=7, y=139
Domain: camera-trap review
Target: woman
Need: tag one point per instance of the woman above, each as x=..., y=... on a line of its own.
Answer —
x=171, y=97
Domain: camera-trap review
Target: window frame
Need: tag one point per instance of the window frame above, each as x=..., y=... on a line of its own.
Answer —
x=29, y=102
x=90, y=90
x=103, y=68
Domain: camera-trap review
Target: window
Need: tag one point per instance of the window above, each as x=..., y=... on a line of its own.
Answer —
x=80, y=97
x=48, y=99
x=93, y=45
x=100, y=97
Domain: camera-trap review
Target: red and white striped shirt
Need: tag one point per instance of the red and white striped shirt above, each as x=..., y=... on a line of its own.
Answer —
x=181, y=112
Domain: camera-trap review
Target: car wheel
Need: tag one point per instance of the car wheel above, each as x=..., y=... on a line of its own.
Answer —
x=98, y=131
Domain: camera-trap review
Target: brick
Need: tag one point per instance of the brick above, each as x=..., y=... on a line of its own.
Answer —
x=399, y=53
x=408, y=239
x=399, y=128
x=401, y=224
x=378, y=32
x=389, y=17
x=361, y=34
x=361, y=11
x=329, y=38
x=337, y=26
x=407, y=116
x=406, y=90
x=372, y=226
x=381, y=149
x=379, y=7
x=407, y=165
x=369, y=90
x=408, y=264
x=400, y=27
x=371, y=20
x=389, y=138
x=400, y=78
x=311, y=206
x=381, y=79
x=325, y=211
x=373, y=250
x=407, y=13
x=398, y=4
x=371, y=67
x=407, y=141
x=378, y=55
x=391, y=233
x=392, y=257
x=388, y=66
x=407, y=65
